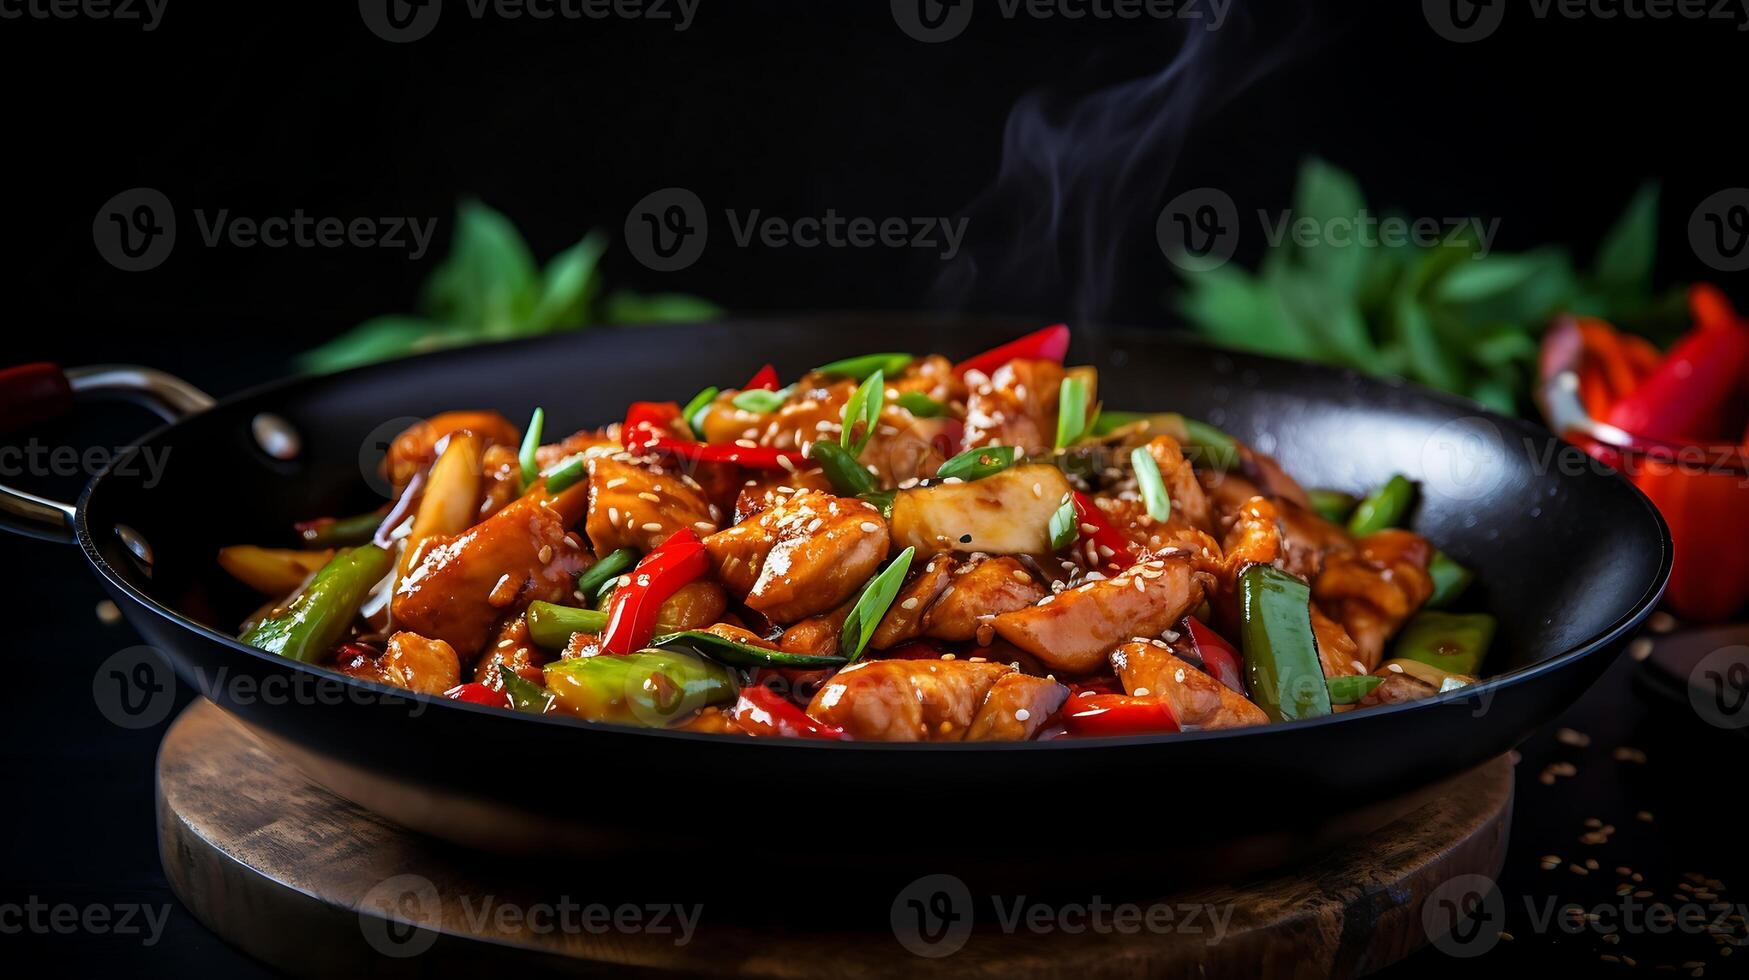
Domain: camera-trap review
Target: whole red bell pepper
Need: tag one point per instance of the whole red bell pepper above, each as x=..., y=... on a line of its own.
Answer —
x=765, y=379
x=1049, y=344
x=761, y=711
x=1219, y=658
x=649, y=428
x=631, y=616
x=1095, y=526
x=1687, y=398
x=1092, y=713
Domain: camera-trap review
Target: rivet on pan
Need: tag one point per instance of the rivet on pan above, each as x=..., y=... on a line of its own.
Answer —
x=276, y=437
x=136, y=544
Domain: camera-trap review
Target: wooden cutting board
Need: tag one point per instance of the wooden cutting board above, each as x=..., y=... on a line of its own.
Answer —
x=310, y=884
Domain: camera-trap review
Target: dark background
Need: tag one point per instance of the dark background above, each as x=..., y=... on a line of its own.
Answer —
x=790, y=108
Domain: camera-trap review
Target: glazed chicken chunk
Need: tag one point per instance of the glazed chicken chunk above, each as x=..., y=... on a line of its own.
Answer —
x=801, y=556
x=1072, y=631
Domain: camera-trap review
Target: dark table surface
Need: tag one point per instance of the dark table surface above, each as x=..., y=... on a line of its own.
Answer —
x=80, y=832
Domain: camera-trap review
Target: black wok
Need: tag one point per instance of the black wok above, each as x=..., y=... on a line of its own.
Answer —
x=1569, y=558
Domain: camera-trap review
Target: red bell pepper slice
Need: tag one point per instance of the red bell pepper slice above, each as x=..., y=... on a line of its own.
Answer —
x=631, y=617
x=1219, y=658
x=478, y=694
x=1091, y=713
x=1686, y=399
x=765, y=379
x=1105, y=535
x=1049, y=344
x=1711, y=308
x=761, y=711
x=649, y=428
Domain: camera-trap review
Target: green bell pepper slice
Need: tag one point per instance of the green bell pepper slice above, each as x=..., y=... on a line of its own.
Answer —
x=650, y=688
x=1456, y=643
x=1449, y=580
x=1383, y=508
x=311, y=624
x=1282, y=672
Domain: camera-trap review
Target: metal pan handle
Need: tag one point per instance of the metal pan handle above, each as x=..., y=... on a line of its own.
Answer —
x=35, y=393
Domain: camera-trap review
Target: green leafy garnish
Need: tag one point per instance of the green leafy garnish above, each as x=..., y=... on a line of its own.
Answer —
x=1071, y=412
x=760, y=401
x=863, y=366
x=524, y=695
x=606, y=570
x=877, y=596
x=1152, y=486
x=921, y=405
x=530, y=445
x=1450, y=312
x=975, y=464
x=864, y=407
x=694, y=411
x=702, y=643
x=490, y=288
x=1065, y=525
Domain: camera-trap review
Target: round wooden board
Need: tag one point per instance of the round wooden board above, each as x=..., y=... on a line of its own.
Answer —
x=312, y=884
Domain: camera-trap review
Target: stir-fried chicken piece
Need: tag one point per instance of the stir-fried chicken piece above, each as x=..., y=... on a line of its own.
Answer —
x=816, y=635
x=762, y=489
x=1017, y=706
x=1306, y=538
x=1071, y=632
x=1337, y=650
x=694, y=606
x=1147, y=668
x=1253, y=539
x=502, y=476
x=977, y=593
x=1016, y=406
x=1372, y=590
x=410, y=661
x=801, y=556
x=417, y=447
x=904, y=619
x=906, y=700
x=638, y=505
x=594, y=442
x=933, y=377
x=1005, y=514
x=905, y=448
x=458, y=586
x=512, y=648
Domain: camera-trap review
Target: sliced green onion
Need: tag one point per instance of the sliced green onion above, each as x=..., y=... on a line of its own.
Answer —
x=1332, y=505
x=1065, y=525
x=921, y=405
x=975, y=464
x=550, y=625
x=694, y=411
x=530, y=444
x=1350, y=688
x=1449, y=580
x=847, y=475
x=524, y=694
x=604, y=571
x=1071, y=411
x=566, y=472
x=867, y=364
x=703, y=643
x=759, y=401
x=864, y=406
x=877, y=596
x=1383, y=508
x=1149, y=481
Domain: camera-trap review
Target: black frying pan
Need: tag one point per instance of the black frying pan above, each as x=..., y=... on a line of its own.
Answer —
x=1570, y=559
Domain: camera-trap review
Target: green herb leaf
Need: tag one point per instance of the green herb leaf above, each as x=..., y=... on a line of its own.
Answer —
x=877, y=596
x=864, y=365
x=568, y=286
x=863, y=407
x=1152, y=486
x=376, y=339
x=530, y=445
x=975, y=464
x=489, y=282
x=626, y=307
x=1071, y=411
x=1625, y=259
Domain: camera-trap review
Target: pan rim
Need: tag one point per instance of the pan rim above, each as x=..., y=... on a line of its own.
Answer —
x=1626, y=622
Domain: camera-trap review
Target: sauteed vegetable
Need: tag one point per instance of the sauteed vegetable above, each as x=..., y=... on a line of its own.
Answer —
x=890, y=547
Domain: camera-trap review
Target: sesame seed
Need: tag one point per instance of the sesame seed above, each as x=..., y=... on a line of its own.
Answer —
x=545, y=554
x=1140, y=692
x=647, y=495
x=869, y=527
x=652, y=526
x=1021, y=714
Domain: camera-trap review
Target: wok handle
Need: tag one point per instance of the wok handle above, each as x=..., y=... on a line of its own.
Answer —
x=35, y=393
